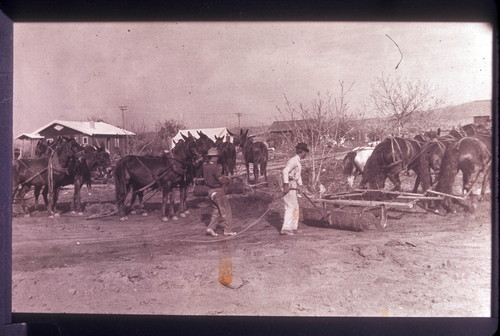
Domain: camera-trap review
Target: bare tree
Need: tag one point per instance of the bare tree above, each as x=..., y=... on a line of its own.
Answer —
x=321, y=125
x=407, y=105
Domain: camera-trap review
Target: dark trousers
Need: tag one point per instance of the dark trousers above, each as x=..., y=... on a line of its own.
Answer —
x=221, y=213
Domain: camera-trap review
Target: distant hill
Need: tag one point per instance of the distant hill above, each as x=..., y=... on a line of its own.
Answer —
x=464, y=113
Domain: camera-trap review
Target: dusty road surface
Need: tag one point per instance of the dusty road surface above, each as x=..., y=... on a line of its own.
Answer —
x=420, y=265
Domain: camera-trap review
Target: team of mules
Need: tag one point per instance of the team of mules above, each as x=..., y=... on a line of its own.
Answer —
x=140, y=173
x=59, y=164
x=466, y=149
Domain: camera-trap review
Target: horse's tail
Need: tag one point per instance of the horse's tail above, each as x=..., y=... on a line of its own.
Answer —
x=374, y=171
x=349, y=163
x=120, y=176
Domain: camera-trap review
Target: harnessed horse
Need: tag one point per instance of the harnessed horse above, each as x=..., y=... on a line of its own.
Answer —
x=227, y=155
x=468, y=155
x=253, y=152
x=65, y=165
x=388, y=159
x=140, y=173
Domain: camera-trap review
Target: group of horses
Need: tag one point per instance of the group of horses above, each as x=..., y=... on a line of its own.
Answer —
x=65, y=162
x=60, y=163
x=467, y=149
x=180, y=167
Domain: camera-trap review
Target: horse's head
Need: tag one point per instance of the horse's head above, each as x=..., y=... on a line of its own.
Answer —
x=457, y=134
x=434, y=153
x=469, y=129
x=187, y=152
x=42, y=148
x=98, y=158
x=218, y=141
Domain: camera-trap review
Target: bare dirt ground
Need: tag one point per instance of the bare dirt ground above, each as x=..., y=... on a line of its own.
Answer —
x=420, y=265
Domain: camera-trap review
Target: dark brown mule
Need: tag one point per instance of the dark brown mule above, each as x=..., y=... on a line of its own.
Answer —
x=140, y=173
x=97, y=159
x=389, y=158
x=66, y=165
x=227, y=155
x=253, y=152
x=470, y=156
x=430, y=157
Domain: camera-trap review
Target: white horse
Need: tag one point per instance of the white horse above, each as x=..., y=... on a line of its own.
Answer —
x=354, y=163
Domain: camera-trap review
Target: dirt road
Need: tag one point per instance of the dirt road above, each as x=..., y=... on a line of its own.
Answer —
x=420, y=265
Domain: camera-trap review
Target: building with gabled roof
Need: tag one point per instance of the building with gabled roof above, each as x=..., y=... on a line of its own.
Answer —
x=88, y=133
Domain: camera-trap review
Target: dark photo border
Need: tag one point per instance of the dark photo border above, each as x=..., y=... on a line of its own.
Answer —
x=12, y=11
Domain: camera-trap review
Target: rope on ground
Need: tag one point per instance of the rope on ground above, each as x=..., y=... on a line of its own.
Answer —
x=230, y=237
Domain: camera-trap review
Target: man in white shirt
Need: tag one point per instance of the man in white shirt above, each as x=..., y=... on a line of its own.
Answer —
x=292, y=180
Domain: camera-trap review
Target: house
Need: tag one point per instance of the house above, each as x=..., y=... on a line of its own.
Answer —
x=482, y=119
x=210, y=132
x=280, y=130
x=25, y=144
x=88, y=133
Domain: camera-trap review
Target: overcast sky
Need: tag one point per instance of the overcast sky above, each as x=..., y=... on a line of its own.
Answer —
x=204, y=73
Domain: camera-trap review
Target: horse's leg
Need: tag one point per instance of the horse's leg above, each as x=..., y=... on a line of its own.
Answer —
x=465, y=181
x=256, y=172
x=486, y=178
x=37, y=194
x=171, y=201
x=417, y=183
x=182, y=199
x=263, y=169
x=76, y=206
x=164, y=200
x=248, y=171
x=21, y=198
x=45, y=196
x=394, y=178
x=121, y=196
x=140, y=195
x=53, y=202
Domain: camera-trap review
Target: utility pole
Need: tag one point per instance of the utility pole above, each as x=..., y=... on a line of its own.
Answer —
x=123, y=108
x=239, y=114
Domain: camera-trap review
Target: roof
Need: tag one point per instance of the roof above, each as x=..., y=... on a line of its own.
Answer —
x=88, y=127
x=24, y=136
x=289, y=125
x=210, y=132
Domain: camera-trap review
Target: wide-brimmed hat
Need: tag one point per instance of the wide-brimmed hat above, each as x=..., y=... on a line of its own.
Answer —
x=302, y=146
x=213, y=152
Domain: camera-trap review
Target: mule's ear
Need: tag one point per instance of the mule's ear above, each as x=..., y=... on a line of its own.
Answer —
x=184, y=137
x=246, y=132
x=231, y=133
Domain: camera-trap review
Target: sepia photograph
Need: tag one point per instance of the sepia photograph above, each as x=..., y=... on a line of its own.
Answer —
x=253, y=168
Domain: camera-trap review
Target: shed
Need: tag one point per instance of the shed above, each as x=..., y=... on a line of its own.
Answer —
x=25, y=146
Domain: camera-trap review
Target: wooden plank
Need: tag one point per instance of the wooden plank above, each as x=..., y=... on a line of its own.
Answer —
x=366, y=203
x=447, y=195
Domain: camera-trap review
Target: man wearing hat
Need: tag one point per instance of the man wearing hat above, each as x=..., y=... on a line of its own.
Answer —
x=215, y=181
x=292, y=180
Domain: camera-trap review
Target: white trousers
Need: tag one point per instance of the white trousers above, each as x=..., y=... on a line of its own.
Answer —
x=291, y=220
